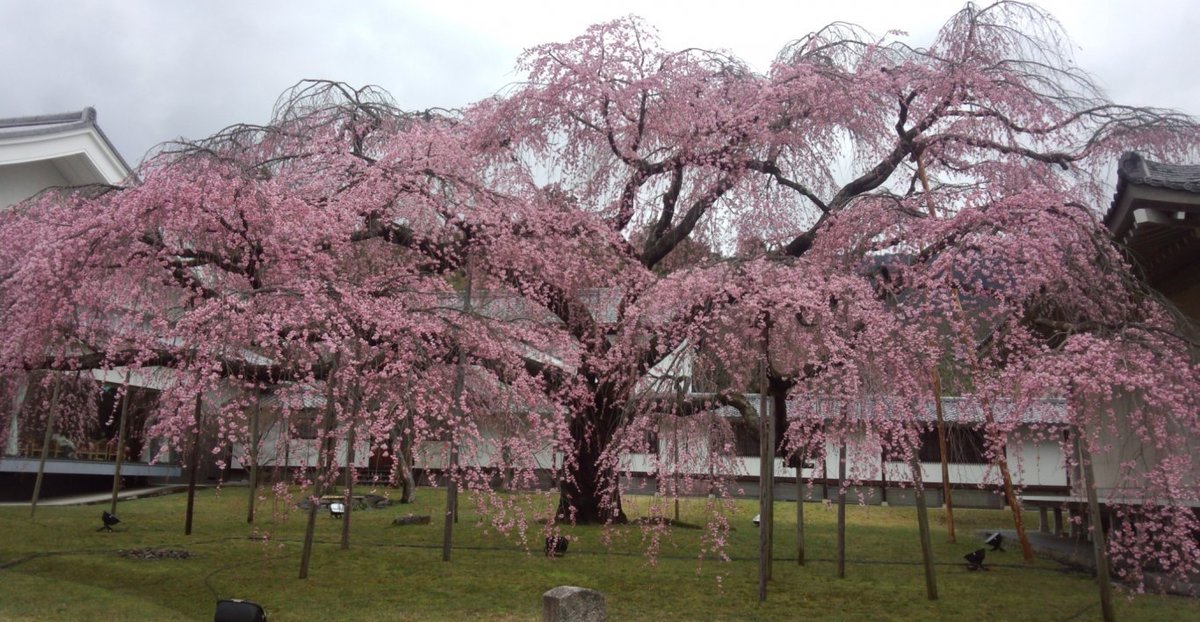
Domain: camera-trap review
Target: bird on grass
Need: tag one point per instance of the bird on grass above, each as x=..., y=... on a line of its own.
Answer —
x=975, y=560
x=996, y=541
x=109, y=521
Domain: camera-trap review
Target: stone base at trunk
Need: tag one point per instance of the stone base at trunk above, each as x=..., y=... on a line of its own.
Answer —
x=567, y=603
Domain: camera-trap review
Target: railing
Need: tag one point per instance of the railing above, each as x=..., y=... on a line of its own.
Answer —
x=91, y=450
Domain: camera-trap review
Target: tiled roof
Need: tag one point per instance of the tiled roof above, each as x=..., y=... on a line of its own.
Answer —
x=47, y=124
x=1134, y=169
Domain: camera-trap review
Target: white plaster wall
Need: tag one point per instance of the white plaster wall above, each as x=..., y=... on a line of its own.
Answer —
x=21, y=181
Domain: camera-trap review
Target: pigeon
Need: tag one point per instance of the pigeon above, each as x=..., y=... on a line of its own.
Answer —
x=975, y=560
x=109, y=521
x=556, y=546
x=996, y=541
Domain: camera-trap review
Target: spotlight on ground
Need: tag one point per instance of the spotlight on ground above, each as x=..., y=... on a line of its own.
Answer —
x=109, y=521
x=757, y=519
x=234, y=610
x=996, y=541
x=975, y=560
x=336, y=509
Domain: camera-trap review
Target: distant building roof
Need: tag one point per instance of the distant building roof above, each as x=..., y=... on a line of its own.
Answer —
x=69, y=149
x=1134, y=169
x=1155, y=213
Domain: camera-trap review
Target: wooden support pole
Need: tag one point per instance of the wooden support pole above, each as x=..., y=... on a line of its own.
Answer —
x=252, y=455
x=1015, y=505
x=800, y=492
x=1099, y=543
x=931, y=590
x=457, y=407
x=841, y=513
x=193, y=466
x=766, y=474
x=41, y=472
x=348, y=495
x=947, y=498
x=125, y=399
x=324, y=459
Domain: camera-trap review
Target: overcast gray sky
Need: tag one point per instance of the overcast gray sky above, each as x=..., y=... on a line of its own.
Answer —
x=161, y=70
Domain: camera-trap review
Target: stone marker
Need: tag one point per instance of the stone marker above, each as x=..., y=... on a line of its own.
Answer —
x=567, y=603
x=411, y=520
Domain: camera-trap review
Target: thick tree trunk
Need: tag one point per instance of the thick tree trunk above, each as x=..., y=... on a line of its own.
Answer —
x=585, y=481
x=408, y=483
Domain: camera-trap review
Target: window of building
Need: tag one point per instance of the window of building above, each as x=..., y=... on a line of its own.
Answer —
x=964, y=444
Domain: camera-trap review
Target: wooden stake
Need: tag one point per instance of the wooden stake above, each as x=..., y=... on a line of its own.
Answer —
x=936, y=384
x=766, y=474
x=1099, y=544
x=252, y=454
x=456, y=396
x=348, y=497
x=37, y=483
x=800, y=490
x=193, y=467
x=923, y=524
x=841, y=513
x=126, y=398
x=324, y=459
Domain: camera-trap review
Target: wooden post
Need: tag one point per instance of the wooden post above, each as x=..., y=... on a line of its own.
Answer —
x=349, y=478
x=766, y=473
x=936, y=384
x=1099, y=543
x=457, y=406
x=800, y=490
x=126, y=398
x=841, y=513
x=193, y=466
x=37, y=483
x=252, y=455
x=675, y=466
x=324, y=458
x=923, y=524
x=1015, y=505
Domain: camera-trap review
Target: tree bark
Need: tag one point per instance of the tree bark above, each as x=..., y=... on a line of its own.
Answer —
x=408, y=483
x=41, y=472
x=585, y=480
x=766, y=476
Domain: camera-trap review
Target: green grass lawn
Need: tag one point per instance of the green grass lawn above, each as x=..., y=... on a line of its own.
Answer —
x=60, y=568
